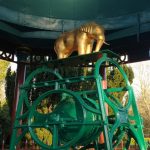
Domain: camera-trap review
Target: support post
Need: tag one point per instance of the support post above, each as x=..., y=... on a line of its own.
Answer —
x=101, y=137
x=104, y=85
x=20, y=77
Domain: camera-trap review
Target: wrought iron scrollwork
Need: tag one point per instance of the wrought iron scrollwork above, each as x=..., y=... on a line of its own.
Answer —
x=24, y=57
x=7, y=56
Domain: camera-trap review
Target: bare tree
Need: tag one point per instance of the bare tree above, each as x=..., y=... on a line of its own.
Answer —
x=142, y=90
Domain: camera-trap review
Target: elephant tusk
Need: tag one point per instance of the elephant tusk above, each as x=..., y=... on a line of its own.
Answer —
x=106, y=43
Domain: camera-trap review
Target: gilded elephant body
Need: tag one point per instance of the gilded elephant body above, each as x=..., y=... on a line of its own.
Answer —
x=80, y=40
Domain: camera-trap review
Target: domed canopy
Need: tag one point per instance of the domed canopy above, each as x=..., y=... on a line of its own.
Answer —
x=38, y=23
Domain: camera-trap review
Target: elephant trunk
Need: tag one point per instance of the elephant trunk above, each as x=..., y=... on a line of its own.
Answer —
x=100, y=42
x=106, y=43
x=99, y=45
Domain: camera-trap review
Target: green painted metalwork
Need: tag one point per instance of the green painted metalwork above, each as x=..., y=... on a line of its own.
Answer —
x=79, y=116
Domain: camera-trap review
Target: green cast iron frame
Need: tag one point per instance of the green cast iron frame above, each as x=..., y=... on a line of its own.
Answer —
x=114, y=127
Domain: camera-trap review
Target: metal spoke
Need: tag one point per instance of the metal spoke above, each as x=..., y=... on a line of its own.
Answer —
x=55, y=136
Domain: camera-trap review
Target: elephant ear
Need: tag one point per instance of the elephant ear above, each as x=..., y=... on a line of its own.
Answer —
x=90, y=27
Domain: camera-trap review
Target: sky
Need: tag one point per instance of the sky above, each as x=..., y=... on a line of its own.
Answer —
x=13, y=66
x=141, y=72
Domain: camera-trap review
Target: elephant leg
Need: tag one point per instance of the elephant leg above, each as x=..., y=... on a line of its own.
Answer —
x=61, y=50
x=60, y=56
x=89, y=48
x=81, y=49
x=81, y=43
x=98, y=45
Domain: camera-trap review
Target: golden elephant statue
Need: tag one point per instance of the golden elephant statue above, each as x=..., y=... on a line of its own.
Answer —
x=80, y=40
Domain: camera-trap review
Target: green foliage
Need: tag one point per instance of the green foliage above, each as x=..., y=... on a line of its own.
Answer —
x=9, y=87
x=43, y=134
x=115, y=79
x=5, y=119
x=77, y=72
x=3, y=69
x=4, y=109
